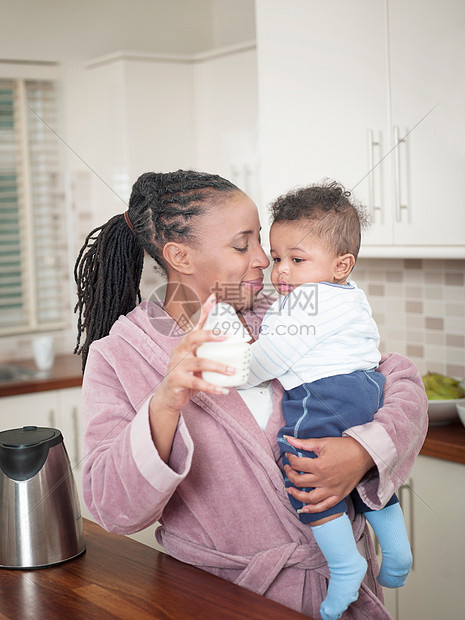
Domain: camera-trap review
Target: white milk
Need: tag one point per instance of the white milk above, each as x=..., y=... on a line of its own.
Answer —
x=234, y=352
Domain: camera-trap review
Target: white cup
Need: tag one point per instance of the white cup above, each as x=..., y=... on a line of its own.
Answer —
x=234, y=354
x=43, y=348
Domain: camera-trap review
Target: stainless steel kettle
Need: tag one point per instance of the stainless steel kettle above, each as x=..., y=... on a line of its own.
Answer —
x=40, y=515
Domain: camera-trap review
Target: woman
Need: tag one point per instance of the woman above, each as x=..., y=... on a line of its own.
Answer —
x=165, y=445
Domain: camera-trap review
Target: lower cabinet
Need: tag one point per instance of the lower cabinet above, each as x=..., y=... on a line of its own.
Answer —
x=433, y=502
x=59, y=409
x=69, y=415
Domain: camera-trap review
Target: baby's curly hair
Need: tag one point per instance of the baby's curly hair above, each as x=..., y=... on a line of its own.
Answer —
x=331, y=216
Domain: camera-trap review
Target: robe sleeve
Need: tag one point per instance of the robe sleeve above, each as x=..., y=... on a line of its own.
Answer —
x=397, y=432
x=126, y=484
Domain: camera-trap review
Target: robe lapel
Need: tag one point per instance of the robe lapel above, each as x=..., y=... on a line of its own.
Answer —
x=232, y=413
x=276, y=420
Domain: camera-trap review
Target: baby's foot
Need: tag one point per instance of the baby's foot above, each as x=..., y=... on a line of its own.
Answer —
x=343, y=588
x=389, y=527
x=395, y=569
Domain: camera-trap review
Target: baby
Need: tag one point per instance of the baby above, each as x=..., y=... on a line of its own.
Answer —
x=321, y=342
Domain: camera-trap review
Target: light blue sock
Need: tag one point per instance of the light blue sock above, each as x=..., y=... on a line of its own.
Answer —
x=347, y=567
x=389, y=527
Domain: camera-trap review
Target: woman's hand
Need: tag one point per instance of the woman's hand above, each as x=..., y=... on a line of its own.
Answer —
x=183, y=379
x=341, y=464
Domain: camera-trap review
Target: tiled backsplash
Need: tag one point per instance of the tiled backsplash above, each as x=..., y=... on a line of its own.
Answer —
x=419, y=306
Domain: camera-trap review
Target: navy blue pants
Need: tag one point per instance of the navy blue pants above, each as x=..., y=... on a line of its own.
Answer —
x=326, y=408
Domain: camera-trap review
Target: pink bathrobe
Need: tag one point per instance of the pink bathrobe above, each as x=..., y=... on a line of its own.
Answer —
x=221, y=500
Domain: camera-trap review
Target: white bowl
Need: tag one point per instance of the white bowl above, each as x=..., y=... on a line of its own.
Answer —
x=443, y=411
x=461, y=411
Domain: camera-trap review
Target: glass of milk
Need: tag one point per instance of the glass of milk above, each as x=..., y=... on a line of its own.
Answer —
x=234, y=351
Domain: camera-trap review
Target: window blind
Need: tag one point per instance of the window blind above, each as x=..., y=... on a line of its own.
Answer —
x=33, y=248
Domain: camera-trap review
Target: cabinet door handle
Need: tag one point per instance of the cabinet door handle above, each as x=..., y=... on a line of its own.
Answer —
x=405, y=494
x=74, y=415
x=371, y=144
x=397, y=174
x=51, y=418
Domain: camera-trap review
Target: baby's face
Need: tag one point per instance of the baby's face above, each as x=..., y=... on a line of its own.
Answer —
x=298, y=257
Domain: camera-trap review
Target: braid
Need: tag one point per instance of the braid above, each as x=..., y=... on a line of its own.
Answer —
x=107, y=273
x=162, y=208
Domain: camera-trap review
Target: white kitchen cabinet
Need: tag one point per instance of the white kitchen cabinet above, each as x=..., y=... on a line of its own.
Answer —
x=38, y=409
x=55, y=408
x=226, y=116
x=434, y=505
x=319, y=91
x=157, y=112
x=140, y=111
x=69, y=408
x=427, y=77
x=340, y=84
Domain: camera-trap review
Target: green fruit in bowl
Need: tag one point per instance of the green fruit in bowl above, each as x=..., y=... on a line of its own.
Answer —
x=442, y=387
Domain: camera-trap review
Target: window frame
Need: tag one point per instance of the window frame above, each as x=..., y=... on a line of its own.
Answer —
x=21, y=72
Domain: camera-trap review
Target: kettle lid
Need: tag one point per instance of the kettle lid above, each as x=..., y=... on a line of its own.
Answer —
x=23, y=451
x=29, y=436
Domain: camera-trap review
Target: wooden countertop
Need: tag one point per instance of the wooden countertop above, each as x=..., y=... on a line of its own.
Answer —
x=118, y=577
x=446, y=442
x=66, y=372
x=443, y=442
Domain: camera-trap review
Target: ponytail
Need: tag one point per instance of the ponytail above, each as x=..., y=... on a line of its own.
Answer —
x=107, y=273
x=162, y=208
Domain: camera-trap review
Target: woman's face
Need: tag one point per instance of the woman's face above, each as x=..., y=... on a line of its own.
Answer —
x=227, y=256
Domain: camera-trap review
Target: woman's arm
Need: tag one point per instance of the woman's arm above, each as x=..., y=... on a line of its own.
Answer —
x=397, y=433
x=127, y=480
x=390, y=443
x=182, y=380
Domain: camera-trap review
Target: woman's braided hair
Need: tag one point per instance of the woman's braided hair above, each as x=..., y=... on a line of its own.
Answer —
x=162, y=208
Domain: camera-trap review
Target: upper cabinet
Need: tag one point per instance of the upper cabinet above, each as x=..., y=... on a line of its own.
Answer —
x=370, y=93
x=141, y=119
x=427, y=77
x=159, y=112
